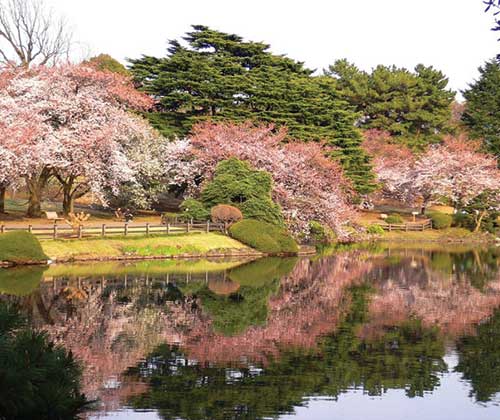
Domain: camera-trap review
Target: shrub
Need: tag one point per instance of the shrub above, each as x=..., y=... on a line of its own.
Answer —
x=263, y=209
x=235, y=182
x=264, y=237
x=394, y=219
x=375, y=230
x=40, y=380
x=193, y=209
x=21, y=247
x=320, y=234
x=440, y=220
x=225, y=214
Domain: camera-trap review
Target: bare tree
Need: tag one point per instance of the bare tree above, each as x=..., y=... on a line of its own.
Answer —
x=30, y=33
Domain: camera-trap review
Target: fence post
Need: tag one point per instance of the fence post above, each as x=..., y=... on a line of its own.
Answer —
x=54, y=233
x=390, y=226
x=187, y=226
x=103, y=230
x=125, y=228
x=2, y=229
x=80, y=231
x=30, y=228
x=406, y=227
x=208, y=226
x=168, y=228
x=147, y=229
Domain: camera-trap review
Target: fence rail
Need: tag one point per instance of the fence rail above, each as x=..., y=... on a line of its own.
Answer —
x=407, y=227
x=57, y=231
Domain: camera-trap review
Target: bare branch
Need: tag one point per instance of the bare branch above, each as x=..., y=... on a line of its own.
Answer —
x=30, y=33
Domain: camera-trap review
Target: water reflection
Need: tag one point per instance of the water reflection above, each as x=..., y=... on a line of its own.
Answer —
x=240, y=339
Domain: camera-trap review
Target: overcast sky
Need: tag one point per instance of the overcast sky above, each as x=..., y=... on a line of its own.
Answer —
x=451, y=35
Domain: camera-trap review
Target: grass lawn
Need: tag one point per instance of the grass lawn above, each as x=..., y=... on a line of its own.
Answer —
x=196, y=243
x=20, y=248
x=445, y=235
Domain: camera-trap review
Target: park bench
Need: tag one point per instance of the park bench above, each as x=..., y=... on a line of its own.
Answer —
x=52, y=215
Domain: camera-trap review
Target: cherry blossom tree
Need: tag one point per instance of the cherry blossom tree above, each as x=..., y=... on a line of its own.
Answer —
x=82, y=123
x=455, y=169
x=392, y=163
x=307, y=185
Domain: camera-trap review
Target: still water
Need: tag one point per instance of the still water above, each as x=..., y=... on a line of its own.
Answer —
x=356, y=333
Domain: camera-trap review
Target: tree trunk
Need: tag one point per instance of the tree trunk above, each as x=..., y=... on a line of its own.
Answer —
x=3, y=190
x=479, y=220
x=36, y=184
x=68, y=201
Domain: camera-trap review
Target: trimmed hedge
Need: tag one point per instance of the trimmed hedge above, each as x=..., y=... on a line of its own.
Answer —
x=264, y=237
x=440, y=220
x=20, y=248
x=320, y=234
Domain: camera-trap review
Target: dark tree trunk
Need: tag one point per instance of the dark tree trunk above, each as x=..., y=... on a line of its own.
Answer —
x=68, y=202
x=71, y=192
x=3, y=190
x=36, y=185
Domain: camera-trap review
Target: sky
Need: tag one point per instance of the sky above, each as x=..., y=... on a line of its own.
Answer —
x=452, y=35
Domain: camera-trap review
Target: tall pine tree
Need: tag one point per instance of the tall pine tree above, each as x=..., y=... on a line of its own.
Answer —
x=482, y=110
x=415, y=107
x=222, y=77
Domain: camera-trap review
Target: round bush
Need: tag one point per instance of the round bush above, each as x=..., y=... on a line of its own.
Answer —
x=194, y=209
x=21, y=247
x=394, y=219
x=262, y=209
x=440, y=220
x=225, y=214
x=263, y=237
x=375, y=230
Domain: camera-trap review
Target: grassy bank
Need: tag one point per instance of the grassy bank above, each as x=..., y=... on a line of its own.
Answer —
x=458, y=235
x=152, y=246
x=21, y=248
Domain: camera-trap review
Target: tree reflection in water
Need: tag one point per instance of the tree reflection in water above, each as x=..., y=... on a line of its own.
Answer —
x=254, y=340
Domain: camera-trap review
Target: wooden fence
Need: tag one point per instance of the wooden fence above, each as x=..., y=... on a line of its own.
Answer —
x=407, y=227
x=56, y=231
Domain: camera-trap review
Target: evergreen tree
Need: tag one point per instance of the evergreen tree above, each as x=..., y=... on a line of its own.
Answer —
x=482, y=111
x=414, y=107
x=219, y=76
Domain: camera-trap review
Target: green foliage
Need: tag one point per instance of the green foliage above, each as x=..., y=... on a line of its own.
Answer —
x=20, y=247
x=440, y=220
x=234, y=182
x=105, y=62
x=414, y=107
x=375, y=230
x=480, y=214
x=394, y=219
x=221, y=77
x=482, y=113
x=193, y=209
x=263, y=237
x=320, y=234
x=263, y=209
x=38, y=379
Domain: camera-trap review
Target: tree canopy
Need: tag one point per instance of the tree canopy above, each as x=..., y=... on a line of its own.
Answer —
x=219, y=76
x=415, y=107
x=482, y=113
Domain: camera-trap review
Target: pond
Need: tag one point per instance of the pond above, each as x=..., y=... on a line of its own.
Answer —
x=364, y=332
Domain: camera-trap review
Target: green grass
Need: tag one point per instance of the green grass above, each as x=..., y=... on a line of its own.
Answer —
x=20, y=248
x=97, y=248
x=444, y=235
